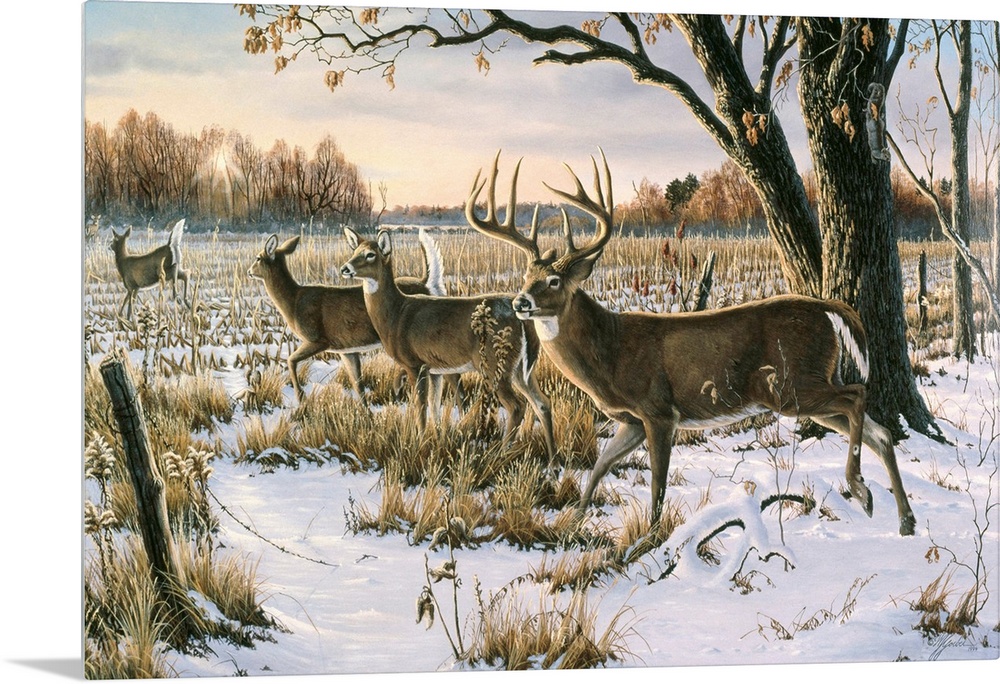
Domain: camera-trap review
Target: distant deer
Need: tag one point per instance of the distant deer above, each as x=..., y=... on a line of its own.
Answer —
x=140, y=271
x=330, y=317
x=655, y=373
x=434, y=335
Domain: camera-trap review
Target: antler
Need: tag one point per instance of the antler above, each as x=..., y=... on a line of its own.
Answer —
x=600, y=208
x=491, y=225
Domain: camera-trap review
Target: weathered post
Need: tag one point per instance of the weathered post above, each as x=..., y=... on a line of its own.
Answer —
x=150, y=496
x=705, y=284
x=922, y=293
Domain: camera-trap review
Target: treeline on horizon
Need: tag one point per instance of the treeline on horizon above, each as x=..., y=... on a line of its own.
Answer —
x=145, y=172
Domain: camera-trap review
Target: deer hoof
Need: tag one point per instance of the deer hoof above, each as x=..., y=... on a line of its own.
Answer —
x=863, y=495
x=867, y=504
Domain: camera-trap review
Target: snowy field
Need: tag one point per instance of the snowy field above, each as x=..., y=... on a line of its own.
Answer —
x=837, y=587
x=341, y=613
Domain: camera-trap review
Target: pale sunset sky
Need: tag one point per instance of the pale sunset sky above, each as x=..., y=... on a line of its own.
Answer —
x=443, y=121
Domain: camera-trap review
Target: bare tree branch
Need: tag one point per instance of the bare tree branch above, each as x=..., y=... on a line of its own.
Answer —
x=944, y=220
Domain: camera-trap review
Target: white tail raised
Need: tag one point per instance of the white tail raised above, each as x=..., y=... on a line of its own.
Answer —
x=139, y=271
x=433, y=264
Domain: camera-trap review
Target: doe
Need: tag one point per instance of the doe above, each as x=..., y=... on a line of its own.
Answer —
x=140, y=271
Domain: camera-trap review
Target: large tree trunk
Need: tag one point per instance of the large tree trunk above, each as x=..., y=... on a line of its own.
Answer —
x=763, y=154
x=964, y=335
x=861, y=263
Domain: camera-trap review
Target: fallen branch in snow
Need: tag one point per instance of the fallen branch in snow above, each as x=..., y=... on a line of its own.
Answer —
x=742, y=511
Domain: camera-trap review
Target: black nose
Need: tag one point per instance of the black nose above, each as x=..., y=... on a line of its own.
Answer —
x=521, y=303
x=345, y=271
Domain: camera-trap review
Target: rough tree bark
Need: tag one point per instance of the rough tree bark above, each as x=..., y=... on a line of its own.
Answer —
x=840, y=59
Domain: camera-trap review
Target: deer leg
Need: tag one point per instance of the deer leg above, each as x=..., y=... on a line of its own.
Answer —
x=514, y=406
x=436, y=399
x=659, y=439
x=541, y=406
x=301, y=353
x=183, y=276
x=125, y=300
x=878, y=435
x=352, y=366
x=819, y=401
x=420, y=396
x=878, y=439
x=129, y=300
x=398, y=383
x=626, y=439
x=454, y=381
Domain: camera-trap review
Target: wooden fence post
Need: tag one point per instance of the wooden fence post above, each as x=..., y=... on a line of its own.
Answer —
x=705, y=284
x=922, y=293
x=150, y=495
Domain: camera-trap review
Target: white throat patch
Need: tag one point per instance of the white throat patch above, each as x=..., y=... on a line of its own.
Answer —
x=370, y=285
x=547, y=327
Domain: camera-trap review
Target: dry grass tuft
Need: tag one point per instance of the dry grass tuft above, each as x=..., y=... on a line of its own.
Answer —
x=197, y=400
x=551, y=634
x=125, y=627
x=935, y=615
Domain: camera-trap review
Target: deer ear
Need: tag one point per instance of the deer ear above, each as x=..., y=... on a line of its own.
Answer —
x=581, y=269
x=352, y=238
x=128, y=231
x=288, y=246
x=270, y=244
x=384, y=243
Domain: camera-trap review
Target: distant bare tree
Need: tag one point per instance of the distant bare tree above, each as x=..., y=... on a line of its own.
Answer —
x=249, y=183
x=330, y=185
x=954, y=223
x=649, y=204
x=281, y=168
x=98, y=168
x=725, y=197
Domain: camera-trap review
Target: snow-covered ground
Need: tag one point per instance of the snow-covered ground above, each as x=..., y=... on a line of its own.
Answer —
x=347, y=602
x=354, y=611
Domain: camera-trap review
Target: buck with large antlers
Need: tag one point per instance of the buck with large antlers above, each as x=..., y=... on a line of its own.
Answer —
x=140, y=271
x=655, y=373
x=435, y=335
x=333, y=317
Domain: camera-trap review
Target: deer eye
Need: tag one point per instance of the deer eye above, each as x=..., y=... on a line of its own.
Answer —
x=554, y=282
x=370, y=256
